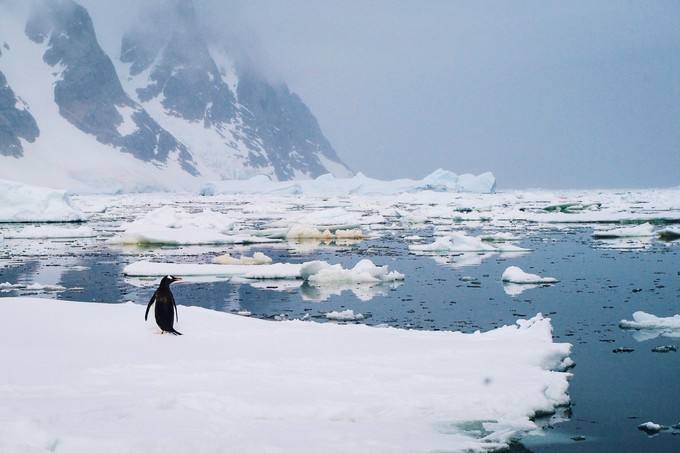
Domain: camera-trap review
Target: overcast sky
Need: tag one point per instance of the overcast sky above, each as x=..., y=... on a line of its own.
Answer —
x=542, y=93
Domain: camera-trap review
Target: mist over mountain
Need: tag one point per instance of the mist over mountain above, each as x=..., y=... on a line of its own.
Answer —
x=171, y=108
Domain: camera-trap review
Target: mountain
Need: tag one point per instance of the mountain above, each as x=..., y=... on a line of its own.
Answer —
x=172, y=111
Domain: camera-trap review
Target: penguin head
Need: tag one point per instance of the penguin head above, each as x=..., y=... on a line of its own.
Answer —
x=168, y=279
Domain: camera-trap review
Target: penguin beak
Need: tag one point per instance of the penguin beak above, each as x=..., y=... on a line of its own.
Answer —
x=176, y=279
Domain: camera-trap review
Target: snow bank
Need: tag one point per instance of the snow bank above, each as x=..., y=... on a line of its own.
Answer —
x=258, y=258
x=345, y=315
x=514, y=274
x=25, y=203
x=459, y=242
x=320, y=273
x=262, y=271
x=171, y=225
x=118, y=385
x=51, y=232
x=643, y=230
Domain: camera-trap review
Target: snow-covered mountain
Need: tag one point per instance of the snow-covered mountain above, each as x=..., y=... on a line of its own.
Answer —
x=172, y=110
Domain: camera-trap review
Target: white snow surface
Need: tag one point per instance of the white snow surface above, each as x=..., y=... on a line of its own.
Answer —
x=235, y=383
x=51, y=232
x=643, y=230
x=26, y=203
x=514, y=274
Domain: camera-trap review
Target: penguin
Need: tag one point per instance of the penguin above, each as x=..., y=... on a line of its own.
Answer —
x=165, y=309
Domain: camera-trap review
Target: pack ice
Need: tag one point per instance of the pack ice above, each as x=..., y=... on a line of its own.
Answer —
x=93, y=377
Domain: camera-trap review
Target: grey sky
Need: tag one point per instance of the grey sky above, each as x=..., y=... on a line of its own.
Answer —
x=544, y=94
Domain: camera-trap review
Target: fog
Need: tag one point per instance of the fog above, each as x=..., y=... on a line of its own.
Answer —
x=544, y=94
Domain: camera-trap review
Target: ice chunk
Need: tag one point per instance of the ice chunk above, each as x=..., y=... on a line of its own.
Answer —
x=459, y=242
x=25, y=203
x=323, y=385
x=514, y=274
x=320, y=273
x=345, y=315
x=651, y=326
x=643, y=230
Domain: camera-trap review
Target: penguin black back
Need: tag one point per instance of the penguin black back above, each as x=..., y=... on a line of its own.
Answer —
x=165, y=308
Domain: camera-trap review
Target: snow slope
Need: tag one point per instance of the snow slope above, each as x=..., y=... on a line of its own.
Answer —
x=233, y=383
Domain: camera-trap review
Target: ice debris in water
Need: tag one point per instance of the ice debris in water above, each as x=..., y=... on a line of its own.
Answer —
x=514, y=274
x=345, y=315
x=319, y=273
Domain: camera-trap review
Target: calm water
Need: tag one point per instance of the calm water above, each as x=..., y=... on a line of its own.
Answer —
x=611, y=393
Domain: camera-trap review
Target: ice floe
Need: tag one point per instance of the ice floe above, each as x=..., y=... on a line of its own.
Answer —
x=649, y=326
x=514, y=274
x=345, y=315
x=325, y=388
x=320, y=273
x=262, y=271
x=459, y=242
x=171, y=225
x=643, y=230
x=25, y=203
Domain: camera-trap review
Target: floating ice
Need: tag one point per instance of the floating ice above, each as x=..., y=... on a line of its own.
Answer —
x=263, y=271
x=345, y=315
x=171, y=225
x=651, y=427
x=7, y=286
x=514, y=274
x=258, y=258
x=646, y=229
x=650, y=326
x=320, y=273
x=459, y=242
x=51, y=232
x=90, y=384
x=25, y=203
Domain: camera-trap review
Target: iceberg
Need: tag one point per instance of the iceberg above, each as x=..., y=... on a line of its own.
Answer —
x=438, y=181
x=650, y=326
x=25, y=203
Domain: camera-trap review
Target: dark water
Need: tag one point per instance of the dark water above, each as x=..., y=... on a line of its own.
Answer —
x=611, y=393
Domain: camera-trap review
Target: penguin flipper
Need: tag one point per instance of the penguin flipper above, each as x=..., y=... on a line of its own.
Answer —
x=153, y=297
x=175, y=306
